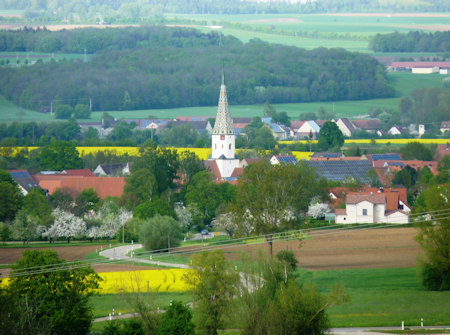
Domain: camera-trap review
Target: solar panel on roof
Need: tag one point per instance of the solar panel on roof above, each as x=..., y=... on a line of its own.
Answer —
x=287, y=159
x=340, y=170
x=387, y=157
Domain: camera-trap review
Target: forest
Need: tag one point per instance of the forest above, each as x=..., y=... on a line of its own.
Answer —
x=109, y=11
x=179, y=67
x=413, y=41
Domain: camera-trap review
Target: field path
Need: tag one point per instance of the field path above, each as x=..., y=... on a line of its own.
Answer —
x=121, y=253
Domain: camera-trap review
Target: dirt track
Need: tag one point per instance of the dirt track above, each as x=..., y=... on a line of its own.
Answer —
x=374, y=248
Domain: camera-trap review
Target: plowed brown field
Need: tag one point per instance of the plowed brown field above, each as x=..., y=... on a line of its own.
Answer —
x=346, y=249
x=371, y=248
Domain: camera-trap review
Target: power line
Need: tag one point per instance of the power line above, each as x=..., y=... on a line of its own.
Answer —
x=275, y=237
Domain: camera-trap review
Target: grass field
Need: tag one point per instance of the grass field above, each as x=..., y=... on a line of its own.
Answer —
x=384, y=297
x=351, y=32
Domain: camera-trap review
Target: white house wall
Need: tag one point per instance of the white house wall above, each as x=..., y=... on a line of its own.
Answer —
x=396, y=218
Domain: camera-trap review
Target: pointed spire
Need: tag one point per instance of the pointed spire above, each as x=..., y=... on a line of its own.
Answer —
x=224, y=122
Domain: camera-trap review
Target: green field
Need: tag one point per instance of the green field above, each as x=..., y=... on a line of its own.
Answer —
x=384, y=297
x=379, y=297
x=315, y=30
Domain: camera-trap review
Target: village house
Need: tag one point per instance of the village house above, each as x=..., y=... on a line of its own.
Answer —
x=345, y=126
x=375, y=206
x=445, y=126
x=308, y=130
x=371, y=126
x=24, y=180
x=283, y=159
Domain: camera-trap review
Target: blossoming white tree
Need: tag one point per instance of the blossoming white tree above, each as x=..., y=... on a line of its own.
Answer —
x=111, y=219
x=66, y=225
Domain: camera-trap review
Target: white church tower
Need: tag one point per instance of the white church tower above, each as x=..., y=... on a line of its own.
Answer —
x=223, y=137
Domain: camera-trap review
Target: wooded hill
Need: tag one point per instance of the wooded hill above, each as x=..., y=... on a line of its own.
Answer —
x=413, y=41
x=177, y=67
x=120, y=10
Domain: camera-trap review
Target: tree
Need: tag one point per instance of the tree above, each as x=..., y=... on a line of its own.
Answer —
x=275, y=302
x=82, y=111
x=190, y=164
x=160, y=233
x=162, y=162
x=330, y=137
x=87, y=200
x=36, y=204
x=148, y=209
x=206, y=194
x=407, y=177
x=131, y=326
x=434, y=236
x=107, y=221
x=416, y=150
x=318, y=210
x=63, y=111
x=11, y=198
x=177, y=320
x=50, y=301
x=213, y=284
x=25, y=227
x=272, y=197
x=66, y=225
x=60, y=155
x=141, y=184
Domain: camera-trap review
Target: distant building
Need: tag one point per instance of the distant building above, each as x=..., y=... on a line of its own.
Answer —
x=345, y=126
x=223, y=138
x=375, y=206
x=113, y=170
x=339, y=170
x=283, y=159
x=445, y=126
x=420, y=67
x=24, y=180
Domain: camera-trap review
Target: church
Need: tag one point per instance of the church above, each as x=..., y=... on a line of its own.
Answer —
x=223, y=161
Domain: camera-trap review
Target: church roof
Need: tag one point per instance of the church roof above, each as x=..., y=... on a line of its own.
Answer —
x=224, y=122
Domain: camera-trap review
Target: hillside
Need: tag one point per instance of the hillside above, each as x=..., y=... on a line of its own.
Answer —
x=157, y=67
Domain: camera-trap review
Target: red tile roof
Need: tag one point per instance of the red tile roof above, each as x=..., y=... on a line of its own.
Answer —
x=442, y=150
x=420, y=64
x=367, y=124
x=104, y=186
x=211, y=166
x=79, y=172
x=356, y=198
x=340, y=211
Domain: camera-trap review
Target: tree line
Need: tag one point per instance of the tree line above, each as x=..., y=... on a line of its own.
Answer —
x=184, y=68
x=412, y=41
x=109, y=11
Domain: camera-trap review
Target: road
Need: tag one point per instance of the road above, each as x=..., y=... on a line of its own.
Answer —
x=122, y=254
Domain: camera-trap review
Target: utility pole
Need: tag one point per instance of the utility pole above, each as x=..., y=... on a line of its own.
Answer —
x=51, y=108
x=90, y=103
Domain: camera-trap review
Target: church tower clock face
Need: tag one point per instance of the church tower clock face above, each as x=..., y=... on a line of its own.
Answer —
x=222, y=137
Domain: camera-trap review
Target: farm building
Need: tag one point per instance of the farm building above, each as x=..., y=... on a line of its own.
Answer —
x=421, y=67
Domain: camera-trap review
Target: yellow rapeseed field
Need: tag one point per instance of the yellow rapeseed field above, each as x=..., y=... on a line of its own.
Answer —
x=384, y=141
x=167, y=280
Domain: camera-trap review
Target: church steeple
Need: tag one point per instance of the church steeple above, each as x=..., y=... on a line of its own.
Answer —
x=224, y=122
x=223, y=137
